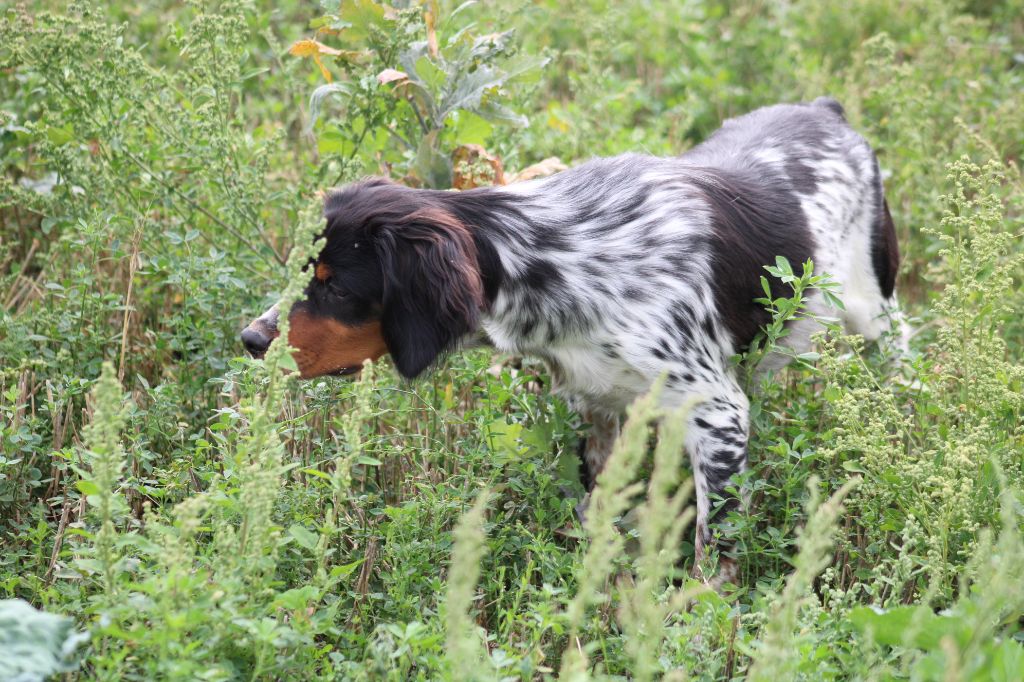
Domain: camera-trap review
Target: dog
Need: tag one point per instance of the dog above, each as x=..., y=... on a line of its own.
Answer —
x=615, y=272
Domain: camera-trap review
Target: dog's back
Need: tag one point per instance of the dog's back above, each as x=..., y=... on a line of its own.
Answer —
x=633, y=235
x=807, y=156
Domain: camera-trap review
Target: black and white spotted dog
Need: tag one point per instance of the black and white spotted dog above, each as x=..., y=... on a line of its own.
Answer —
x=613, y=272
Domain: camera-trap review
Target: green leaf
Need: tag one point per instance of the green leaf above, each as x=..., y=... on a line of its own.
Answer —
x=303, y=536
x=502, y=437
x=499, y=113
x=297, y=598
x=833, y=300
x=432, y=167
x=316, y=100
x=568, y=466
x=851, y=465
x=317, y=473
x=914, y=626
x=332, y=141
x=525, y=69
x=488, y=46
x=469, y=90
x=87, y=487
x=1007, y=663
x=88, y=566
x=60, y=136
x=362, y=16
x=470, y=128
x=472, y=89
x=330, y=21
x=345, y=570
x=538, y=437
x=430, y=74
x=288, y=363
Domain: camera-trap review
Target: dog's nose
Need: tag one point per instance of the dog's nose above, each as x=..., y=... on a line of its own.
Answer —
x=255, y=341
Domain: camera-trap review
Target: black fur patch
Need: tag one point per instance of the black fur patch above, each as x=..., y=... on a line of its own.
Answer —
x=885, y=251
x=753, y=220
x=542, y=277
x=802, y=176
x=831, y=104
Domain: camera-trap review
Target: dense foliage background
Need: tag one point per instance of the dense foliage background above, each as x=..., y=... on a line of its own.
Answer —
x=199, y=517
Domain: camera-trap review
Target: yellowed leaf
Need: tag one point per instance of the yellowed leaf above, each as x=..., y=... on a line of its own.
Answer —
x=323, y=69
x=312, y=48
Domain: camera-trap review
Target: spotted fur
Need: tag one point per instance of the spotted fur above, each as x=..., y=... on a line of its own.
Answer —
x=623, y=269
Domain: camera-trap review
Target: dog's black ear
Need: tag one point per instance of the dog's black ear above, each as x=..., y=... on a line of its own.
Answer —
x=432, y=287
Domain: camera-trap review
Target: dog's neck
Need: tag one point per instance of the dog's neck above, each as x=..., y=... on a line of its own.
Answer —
x=523, y=232
x=506, y=232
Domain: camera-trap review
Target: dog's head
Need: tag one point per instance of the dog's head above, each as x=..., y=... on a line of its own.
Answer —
x=398, y=274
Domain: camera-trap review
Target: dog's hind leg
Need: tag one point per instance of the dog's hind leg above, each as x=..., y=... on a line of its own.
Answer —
x=594, y=450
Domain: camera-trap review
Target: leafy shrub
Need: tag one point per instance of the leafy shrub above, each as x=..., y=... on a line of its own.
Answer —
x=409, y=103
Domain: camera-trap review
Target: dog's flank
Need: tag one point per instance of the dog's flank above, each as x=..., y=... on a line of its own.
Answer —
x=613, y=272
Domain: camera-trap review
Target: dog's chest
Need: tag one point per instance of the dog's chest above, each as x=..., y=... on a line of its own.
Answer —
x=586, y=372
x=579, y=367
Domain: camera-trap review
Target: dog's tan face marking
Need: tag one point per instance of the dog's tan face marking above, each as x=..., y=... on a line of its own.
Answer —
x=322, y=272
x=326, y=346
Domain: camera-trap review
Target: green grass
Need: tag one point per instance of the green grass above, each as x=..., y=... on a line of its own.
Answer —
x=202, y=517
